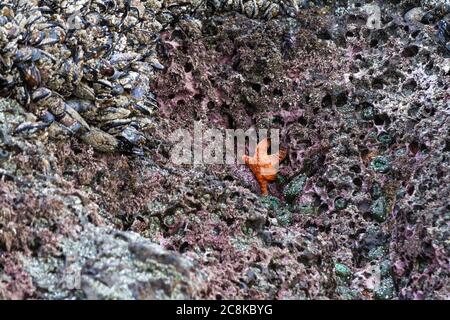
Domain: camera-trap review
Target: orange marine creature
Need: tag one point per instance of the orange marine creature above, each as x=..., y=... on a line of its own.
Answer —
x=263, y=165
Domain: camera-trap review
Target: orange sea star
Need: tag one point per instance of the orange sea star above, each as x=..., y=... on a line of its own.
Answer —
x=263, y=165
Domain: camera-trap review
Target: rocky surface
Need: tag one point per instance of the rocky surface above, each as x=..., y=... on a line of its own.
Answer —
x=360, y=208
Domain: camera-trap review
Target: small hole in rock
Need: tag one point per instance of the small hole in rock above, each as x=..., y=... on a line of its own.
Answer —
x=277, y=92
x=410, y=84
x=324, y=35
x=256, y=87
x=327, y=101
x=277, y=120
x=188, y=67
x=357, y=182
x=303, y=121
x=267, y=80
x=377, y=83
x=341, y=99
x=323, y=208
x=410, y=51
x=415, y=33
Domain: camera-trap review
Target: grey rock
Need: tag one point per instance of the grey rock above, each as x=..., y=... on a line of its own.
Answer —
x=105, y=264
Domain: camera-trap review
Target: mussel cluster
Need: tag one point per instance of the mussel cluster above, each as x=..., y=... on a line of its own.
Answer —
x=82, y=67
x=264, y=9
